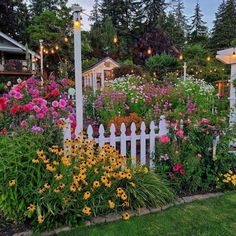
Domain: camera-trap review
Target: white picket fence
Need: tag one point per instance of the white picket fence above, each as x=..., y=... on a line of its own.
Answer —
x=129, y=145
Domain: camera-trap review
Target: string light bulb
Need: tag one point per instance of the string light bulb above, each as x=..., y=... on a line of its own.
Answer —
x=181, y=57
x=56, y=47
x=52, y=51
x=149, y=51
x=66, y=40
x=208, y=58
x=115, y=39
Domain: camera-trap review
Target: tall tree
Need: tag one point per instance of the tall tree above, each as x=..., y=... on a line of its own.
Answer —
x=39, y=6
x=7, y=17
x=198, y=26
x=154, y=12
x=95, y=15
x=224, y=30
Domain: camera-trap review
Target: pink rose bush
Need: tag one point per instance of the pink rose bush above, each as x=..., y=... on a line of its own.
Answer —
x=30, y=105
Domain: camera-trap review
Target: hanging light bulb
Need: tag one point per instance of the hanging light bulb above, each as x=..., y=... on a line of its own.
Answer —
x=181, y=57
x=149, y=51
x=208, y=58
x=52, y=51
x=46, y=51
x=66, y=39
x=56, y=47
x=115, y=39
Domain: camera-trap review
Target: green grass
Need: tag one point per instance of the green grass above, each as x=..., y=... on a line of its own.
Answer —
x=212, y=217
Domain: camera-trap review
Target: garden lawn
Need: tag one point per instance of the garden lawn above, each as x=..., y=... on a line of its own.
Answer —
x=215, y=216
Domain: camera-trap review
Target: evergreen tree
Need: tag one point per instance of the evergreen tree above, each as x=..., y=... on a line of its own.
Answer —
x=154, y=13
x=224, y=30
x=7, y=18
x=95, y=15
x=39, y=6
x=198, y=27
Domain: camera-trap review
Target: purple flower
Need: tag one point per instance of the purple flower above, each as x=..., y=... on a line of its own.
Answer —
x=37, y=129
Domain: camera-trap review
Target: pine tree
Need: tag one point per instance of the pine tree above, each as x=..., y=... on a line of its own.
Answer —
x=198, y=27
x=95, y=15
x=154, y=12
x=224, y=30
x=39, y=6
x=7, y=17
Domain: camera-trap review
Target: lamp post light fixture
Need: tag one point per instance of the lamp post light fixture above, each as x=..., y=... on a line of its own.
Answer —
x=181, y=57
x=228, y=56
x=78, y=68
x=41, y=59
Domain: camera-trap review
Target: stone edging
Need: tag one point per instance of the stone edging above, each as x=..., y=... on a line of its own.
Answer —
x=114, y=217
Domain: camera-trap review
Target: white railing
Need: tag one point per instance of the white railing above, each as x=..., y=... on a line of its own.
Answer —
x=138, y=145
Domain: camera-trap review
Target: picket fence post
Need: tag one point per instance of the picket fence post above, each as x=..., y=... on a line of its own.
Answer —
x=113, y=135
x=152, y=142
x=143, y=144
x=133, y=143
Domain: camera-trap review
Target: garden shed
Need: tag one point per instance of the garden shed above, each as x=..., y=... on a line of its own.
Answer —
x=96, y=75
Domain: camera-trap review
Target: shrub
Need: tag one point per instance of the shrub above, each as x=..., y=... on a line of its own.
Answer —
x=124, y=70
x=64, y=186
x=161, y=64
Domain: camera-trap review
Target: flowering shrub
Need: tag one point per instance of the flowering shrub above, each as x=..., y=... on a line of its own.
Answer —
x=30, y=105
x=230, y=178
x=64, y=186
x=127, y=120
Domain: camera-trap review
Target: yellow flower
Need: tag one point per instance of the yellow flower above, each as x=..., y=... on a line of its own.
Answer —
x=50, y=168
x=31, y=208
x=87, y=210
x=123, y=196
x=111, y=204
x=40, y=219
x=46, y=161
x=35, y=161
x=145, y=170
x=230, y=172
x=126, y=216
x=96, y=171
x=132, y=184
x=12, y=182
x=56, y=163
x=119, y=190
x=58, y=176
x=62, y=186
x=108, y=184
x=66, y=200
x=72, y=188
x=104, y=179
x=47, y=186
x=57, y=190
x=87, y=195
x=96, y=184
x=128, y=176
x=41, y=190
x=66, y=161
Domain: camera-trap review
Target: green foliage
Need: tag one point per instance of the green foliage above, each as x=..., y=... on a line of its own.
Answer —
x=128, y=70
x=17, y=152
x=161, y=64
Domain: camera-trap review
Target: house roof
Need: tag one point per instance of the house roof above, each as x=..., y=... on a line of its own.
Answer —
x=100, y=62
x=19, y=48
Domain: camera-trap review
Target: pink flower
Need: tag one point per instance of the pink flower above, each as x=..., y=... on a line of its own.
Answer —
x=23, y=123
x=205, y=121
x=55, y=114
x=62, y=103
x=18, y=96
x=199, y=155
x=177, y=167
x=164, y=139
x=73, y=136
x=36, y=108
x=40, y=115
x=180, y=133
x=182, y=171
x=55, y=104
x=69, y=108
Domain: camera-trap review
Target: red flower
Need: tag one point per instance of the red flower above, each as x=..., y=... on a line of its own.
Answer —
x=177, y=167
x=164, y=139
x=55, y=92
x=182, y=171
x=4, y=132
x=14, y=109
x=180, y=133
x=3, y=104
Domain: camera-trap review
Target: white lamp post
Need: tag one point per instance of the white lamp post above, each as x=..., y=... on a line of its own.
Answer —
x=228, y=56
x=185, y=70
x=41, y=59
x=78, y=68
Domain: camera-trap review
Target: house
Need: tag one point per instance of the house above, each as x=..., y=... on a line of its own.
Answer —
x=16, y=59
x=96, y=75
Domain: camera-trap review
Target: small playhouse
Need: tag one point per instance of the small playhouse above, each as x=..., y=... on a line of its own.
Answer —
x=96, y=76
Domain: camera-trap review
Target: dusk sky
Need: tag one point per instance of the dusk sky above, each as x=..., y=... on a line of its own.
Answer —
x=209, y=7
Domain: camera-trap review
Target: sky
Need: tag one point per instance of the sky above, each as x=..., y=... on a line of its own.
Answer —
x=209, y=7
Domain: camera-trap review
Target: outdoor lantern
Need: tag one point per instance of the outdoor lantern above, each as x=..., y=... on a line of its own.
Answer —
x=77, y=24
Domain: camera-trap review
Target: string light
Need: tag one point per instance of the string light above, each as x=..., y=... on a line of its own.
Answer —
x=115, y=39
x=52, y=51
x=181, y=57
x=208, y=58
x=56, y=47
x=149, y=51
x=66, y=40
